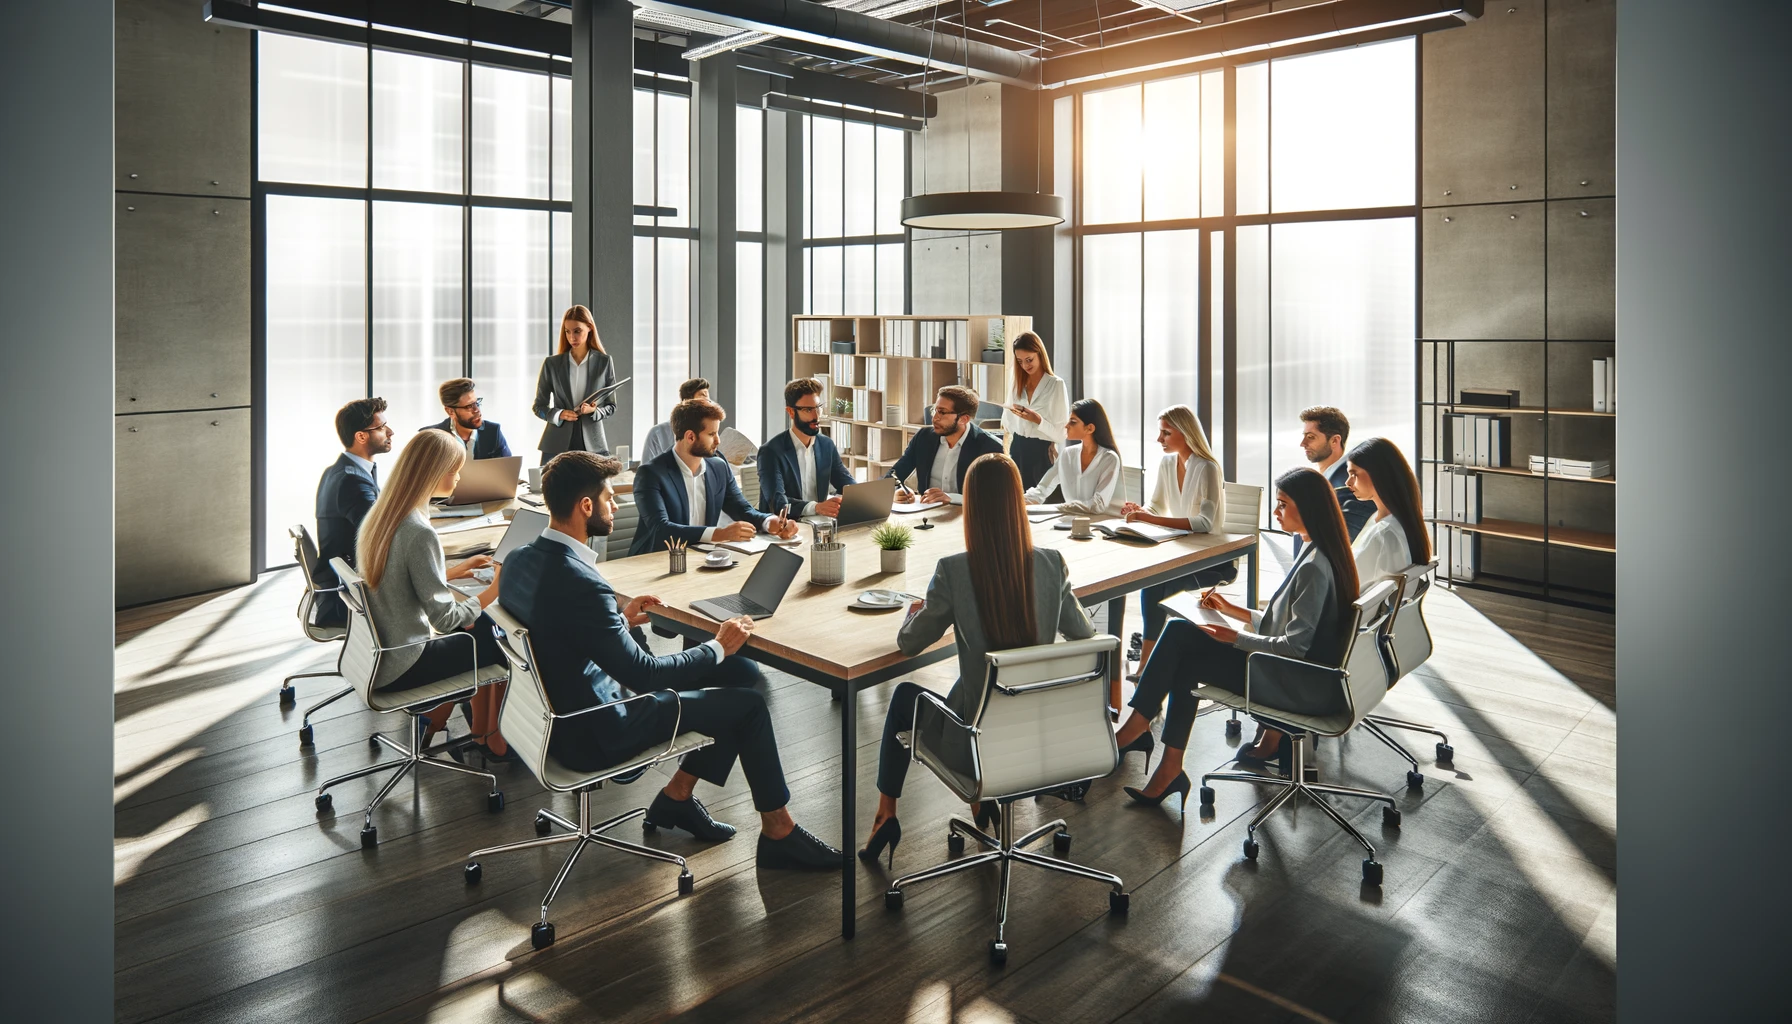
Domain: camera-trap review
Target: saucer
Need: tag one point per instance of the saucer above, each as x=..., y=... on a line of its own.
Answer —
x=718, y=566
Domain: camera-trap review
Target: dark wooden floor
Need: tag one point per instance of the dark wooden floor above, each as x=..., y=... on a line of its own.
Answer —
x=235, y=903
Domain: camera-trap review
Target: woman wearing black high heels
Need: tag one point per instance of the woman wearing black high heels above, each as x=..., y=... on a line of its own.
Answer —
x=1002, y=593
x=1305, y=619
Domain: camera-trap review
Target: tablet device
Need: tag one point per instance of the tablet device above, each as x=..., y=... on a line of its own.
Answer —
x=605, y=392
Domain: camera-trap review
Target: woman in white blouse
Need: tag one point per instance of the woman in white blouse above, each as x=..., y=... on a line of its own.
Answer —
x=1088, y=468
x=1190, y=495
x=1396, y=537
x=1037, y=410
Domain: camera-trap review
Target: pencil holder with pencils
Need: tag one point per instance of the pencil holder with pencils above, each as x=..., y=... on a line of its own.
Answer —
x=827, y=564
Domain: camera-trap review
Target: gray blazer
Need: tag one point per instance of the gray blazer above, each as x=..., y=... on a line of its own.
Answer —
x=952, y=604
x=1303, y=619
x=553, y=392
x=413, y=601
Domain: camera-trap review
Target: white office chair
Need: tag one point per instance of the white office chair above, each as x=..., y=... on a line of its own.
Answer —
x=528, y=721
x=360, y=663
x=1041, y=725
x=1406, y=645
x=305, y=553
x=1359, y=686
x=1244, y=514
x=1132, y=485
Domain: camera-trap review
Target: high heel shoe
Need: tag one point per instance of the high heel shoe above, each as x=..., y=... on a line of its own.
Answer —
x=1179, y=784
x=988, y=813
x=887, y=834
x=1144, y=743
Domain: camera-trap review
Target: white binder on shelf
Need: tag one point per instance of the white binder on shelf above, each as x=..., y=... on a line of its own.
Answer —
x=1483, y=429
x=1461, y=443
x=1611, y=384
x=1600, y=396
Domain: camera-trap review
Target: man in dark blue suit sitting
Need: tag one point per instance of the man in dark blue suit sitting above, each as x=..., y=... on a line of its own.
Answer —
x=466, y=420
x=939, y=457
x=798, y=467
x=344, y=495
x=683, y=493
x=586, y=657
x=1323, y=433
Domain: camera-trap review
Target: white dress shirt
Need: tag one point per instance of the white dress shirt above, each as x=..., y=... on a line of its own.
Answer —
x=589, y=557
x=696, y=491
x=1200, y=498
x=1051, y=400
x=944, y=474
x=805, y=471
x=1086, y=491
x=1381, y=551
x=575, y=379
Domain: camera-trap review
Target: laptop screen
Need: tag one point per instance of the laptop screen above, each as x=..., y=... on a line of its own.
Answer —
x=772, y=577
x=527, y=526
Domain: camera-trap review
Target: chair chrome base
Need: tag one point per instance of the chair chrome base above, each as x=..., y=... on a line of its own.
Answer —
x=413, y=757
x=1006, y=851
x=581, y=835
x=1379, y=724
x=1296, y=782
x=289, y=694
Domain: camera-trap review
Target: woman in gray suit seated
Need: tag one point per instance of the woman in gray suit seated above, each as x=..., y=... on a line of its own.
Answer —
x=568, y=377
x=1001, y=593
x=1307, y=618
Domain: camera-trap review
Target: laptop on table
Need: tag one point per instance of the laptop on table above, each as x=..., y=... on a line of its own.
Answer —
x=868, y=502
x=487, y=480
x=765, y=588
x=523, y=529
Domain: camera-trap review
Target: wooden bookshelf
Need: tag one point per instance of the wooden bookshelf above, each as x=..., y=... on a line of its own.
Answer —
x=1610, y=481
x=1532, y=410
x=870, y=444
x=1563, y=536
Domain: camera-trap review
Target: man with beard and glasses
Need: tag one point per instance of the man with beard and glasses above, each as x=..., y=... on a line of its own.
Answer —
x=939, y=457
x=1323, y=431
x=345, y=493
x=798, y=467
x=585, y=657
x=482, y=437
x=682, y=494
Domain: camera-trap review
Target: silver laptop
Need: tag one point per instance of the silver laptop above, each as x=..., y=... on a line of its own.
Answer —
x=524, y=528
x=867, y=502
x=487, y=480
x=764, y=588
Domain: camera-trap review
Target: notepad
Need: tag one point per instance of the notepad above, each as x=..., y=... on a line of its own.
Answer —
x=901, y=507
x=1188, y=605
x=1146, y=532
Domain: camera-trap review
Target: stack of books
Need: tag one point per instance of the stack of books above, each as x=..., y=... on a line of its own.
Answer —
x=1587, y=468
x=893, y=414
x=844, y=370
x=1483, y=441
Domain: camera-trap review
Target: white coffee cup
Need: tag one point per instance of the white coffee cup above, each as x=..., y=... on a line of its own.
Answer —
x=1079, y=528
x=534, y=479
x=622, y=455
x=719, y=557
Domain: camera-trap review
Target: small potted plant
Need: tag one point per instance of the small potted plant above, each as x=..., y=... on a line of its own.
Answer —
x=893, y=542
x=995, y=349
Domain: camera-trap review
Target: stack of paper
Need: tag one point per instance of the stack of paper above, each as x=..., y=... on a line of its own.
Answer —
x=1571, y=467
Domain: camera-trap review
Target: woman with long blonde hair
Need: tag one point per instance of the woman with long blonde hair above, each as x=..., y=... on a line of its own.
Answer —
x=408, y=596
x=577, y=370
x=1000, y=593
x=1037, y=411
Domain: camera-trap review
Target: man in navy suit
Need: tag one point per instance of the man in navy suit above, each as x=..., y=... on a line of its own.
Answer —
x=683, y=493
x=1323, y=431
x=939, y=457
x=344, y=495
x=484, y=438
x=585, y=658
x=798, y=467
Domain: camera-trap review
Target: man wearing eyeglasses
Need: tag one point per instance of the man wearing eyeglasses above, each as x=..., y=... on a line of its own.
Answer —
x=799, y=467
x=483, y=438
x=936, y=460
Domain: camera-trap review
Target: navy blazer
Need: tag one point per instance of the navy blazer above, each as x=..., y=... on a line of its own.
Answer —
x=780, y=479
x=344, y=495
x=585, y=656
x=1357, y=512
x=488, y=442
x=977, y=442
x=663, y=506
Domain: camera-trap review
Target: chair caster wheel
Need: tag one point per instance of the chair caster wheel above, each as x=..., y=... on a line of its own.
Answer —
x=1206, y=796
x=1251, y=849
x=288, y=696
x=1234, y=727
x=1118, y=902
x=494, y=801
x=893, y=899
x=1061, y=842
x=370, y=837
x=998, y=952
x=955, y=843
x=1371, y=873
x=323, y=802
x=472, y=872
x=687, y=884
x=543, y=826
x=1390, y=817
x=373, y=742
x=305, y=738
x=1446, y=754
x=1414, y=780
x=541, y=936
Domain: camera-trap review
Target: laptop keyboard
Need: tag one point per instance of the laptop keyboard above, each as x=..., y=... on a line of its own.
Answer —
x=738, y=605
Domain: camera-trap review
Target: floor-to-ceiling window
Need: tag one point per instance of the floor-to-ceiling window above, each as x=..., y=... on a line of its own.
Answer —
x=854, y=179
x=416, y=227
x=1274, y=260
x=665, y=239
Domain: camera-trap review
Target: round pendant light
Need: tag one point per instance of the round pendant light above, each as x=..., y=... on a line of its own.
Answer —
x=982, y=211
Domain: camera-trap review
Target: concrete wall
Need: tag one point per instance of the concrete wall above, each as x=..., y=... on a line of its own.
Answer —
x=182, y=390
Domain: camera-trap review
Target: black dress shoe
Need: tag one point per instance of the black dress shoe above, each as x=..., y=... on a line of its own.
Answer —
x=799, y=851
x=689, y=815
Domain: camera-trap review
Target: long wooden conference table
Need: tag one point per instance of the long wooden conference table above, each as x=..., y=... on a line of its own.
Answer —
x=816, y=637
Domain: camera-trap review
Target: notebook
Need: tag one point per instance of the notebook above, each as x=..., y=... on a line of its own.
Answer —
x=1147, y=532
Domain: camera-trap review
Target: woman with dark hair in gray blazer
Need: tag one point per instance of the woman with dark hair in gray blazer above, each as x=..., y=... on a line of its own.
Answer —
x=1308, y=618
x=1002, y=593
x=576, y=371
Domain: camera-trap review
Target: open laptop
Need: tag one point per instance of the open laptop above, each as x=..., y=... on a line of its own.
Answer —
x=764, y=588
x=523, y=529
x=487, y=480
x=867, y=502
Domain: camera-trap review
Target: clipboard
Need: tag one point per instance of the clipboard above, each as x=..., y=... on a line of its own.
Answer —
x=606, y=392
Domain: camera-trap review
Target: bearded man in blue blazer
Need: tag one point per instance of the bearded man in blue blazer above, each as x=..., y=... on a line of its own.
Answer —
x=682, y=494
x=799, y=467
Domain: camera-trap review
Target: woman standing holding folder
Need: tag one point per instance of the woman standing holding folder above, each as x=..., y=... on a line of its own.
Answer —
x=1037, y=409
x=578, y=370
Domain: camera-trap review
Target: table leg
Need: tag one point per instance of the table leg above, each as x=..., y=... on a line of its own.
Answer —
x=1117, y=618
x=1250, y=585
x=849, y=777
